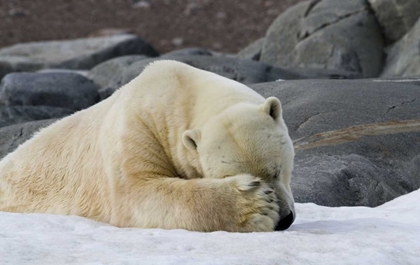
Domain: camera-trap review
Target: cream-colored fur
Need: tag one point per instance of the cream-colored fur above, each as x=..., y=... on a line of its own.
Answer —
x=177, y=147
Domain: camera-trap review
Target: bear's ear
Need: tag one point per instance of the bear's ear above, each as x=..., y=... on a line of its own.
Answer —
x=190, y=139
x=272, y=107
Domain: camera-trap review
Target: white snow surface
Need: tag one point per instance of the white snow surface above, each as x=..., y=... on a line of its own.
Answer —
x=388, y=234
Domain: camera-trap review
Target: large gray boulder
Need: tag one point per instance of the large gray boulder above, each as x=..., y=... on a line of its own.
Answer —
x=13, y=136
x=70, y=54
x=327, y=34
x=244, y=71
x=404, y=56
x=63, y=90
x=357, y=142
x=108, y=74
x=20, y=114
x=396, y=17
x=252, y=51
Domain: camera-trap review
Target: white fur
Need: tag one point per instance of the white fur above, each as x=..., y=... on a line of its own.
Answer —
x=177, y=147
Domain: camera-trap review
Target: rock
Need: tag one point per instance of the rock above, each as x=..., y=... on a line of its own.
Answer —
x=108, y=74
x=106, y=92
x=252, y=51
x=13, y=136
x=196, y=52
x=17, y=13
x=70, y=54
x=314, y=73
x=114, y=73
x=192, y=8
x=5, y=68
x=63, y=90
x=189, y=51
x=20, y=114
x=51, y=70
x=357, y=142
x=178, y=41
x=282, y=36
x=396, y=17
x=327, y=34
x=141, y=4
x=404, y=56
x=406, y=81
x=244, y=71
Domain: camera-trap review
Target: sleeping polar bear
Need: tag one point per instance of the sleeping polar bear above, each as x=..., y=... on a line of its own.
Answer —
x=177, y=147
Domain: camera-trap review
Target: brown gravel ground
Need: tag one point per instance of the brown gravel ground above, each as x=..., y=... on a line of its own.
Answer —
x=223, y=25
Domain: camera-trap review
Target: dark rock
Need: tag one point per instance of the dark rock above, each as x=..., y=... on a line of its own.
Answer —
x=252, y=51
x=20, y=114
x=244, y=71
x=106, y=92
x=327, y=34
x=63, y=90
x=189, y=51
x=396, y=17
x=71, y=54
x=13, y=136
x=357, y=142
x=108, y=74
x=314, y=73
x=5, y=68
x=196, y=52
x=404, y=56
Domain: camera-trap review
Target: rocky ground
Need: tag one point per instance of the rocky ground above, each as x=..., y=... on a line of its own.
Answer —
x=357, y=137
x=166, y=24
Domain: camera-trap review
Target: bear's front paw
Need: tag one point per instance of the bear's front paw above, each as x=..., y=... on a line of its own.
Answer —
x=257, y=206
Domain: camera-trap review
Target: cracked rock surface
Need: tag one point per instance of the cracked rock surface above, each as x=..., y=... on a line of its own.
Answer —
x=357, y=142
x=327, y=34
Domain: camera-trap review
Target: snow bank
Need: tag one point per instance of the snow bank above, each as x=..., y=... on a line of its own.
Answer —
x=388, y=234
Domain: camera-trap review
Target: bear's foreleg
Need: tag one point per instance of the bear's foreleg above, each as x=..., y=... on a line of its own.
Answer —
x=240, y=203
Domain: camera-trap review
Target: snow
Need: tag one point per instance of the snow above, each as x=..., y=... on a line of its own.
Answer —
x=388, y=234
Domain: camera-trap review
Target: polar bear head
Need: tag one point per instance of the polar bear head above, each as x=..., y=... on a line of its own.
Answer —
x=251, y=139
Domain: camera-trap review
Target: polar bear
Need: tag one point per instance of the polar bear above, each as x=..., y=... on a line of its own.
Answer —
x=176, y=148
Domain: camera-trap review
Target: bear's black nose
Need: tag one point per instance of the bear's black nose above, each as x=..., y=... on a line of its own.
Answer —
x=285, y=223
